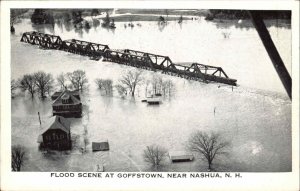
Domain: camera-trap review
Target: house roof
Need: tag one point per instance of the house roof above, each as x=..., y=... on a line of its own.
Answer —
x=180, y=155
x=100, y=146
x=57, y=122
x=66, y=94
x=56, y=94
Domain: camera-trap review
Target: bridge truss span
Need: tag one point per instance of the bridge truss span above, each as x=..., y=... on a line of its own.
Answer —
x=134, y=58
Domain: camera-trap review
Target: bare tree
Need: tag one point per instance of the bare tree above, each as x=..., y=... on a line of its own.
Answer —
x=13, y=87
x=78, y=79
x=121, y=89
x=147, y=83
x=18, y=157
x=75, y=140
x=157, y=84
x=160, y=86
x=226, y=34
x=131, y=80
x=168, y=87
x=86, y=141
x=27, y=82
x=99, y=83
x=44, y=82
x=207, y=145
x=154, y=154
x=62, y=81
x=106, y=84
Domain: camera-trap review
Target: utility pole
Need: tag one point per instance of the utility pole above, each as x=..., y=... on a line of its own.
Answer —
x=39, y=118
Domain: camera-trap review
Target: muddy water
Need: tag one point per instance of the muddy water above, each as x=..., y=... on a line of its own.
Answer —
x=255, y=117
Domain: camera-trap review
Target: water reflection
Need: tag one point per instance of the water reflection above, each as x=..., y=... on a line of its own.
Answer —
x=79, y=31
x=161, y=26
x=68, y=26
x=44, y=28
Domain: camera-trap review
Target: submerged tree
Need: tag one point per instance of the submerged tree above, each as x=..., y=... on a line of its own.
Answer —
x=180, y=19
x=161, y=86
x=106, y=20
x=42, y=16
x=131, y=80
x=27, y=82
x=105, y=84
x=168, y=88
x=157, y=84
x=121, y=90
x=95, y=12
x=207, y=145
x=78, y=79
x=154, y=154
x=18, y=157
x=44, y=83
x=13, y=87
x=86, y=141
x=62, y=81
x=77, y=16
x=161, y=20
x=75, y=141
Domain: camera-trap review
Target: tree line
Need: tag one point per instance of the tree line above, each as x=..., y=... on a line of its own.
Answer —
x=42, y=83
x=243, y=14
x=133, y=79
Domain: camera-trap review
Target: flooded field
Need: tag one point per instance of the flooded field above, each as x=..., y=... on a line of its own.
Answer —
x=255, y=116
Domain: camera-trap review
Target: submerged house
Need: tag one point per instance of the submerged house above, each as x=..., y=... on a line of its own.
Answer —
x=180, y=156
x=100, y=146
x=56, y=134
x=67, y=104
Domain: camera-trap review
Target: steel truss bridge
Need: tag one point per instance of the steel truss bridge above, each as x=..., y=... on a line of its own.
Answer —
x=138, y=59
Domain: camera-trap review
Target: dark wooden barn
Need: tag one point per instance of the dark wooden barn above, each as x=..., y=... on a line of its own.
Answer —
x=58, y=135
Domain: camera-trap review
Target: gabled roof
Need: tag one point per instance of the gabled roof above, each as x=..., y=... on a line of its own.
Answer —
x=56, y=94
x=67, y=93
x=57, y=122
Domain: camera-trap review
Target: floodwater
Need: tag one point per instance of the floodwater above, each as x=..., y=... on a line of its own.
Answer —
x=255, y=116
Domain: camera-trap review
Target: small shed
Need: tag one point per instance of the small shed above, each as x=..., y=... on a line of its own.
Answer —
x=180, y=156
x=153, y=100
x=100, y=146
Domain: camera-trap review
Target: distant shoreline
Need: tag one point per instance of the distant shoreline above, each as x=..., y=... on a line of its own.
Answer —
x=144, y=17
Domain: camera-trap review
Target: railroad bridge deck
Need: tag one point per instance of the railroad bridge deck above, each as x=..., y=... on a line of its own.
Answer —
x=44, y=40
x=139, y=59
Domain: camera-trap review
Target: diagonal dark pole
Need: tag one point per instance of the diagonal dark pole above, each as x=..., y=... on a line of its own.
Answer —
x=272, y=51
